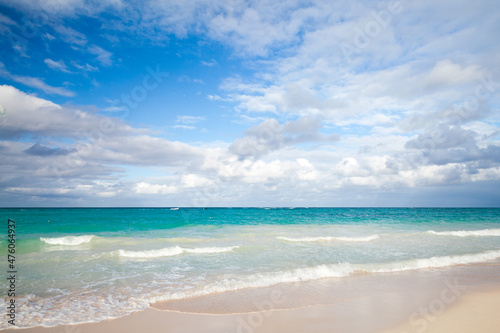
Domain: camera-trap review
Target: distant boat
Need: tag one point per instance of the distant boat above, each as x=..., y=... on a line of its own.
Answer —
x=176, y=208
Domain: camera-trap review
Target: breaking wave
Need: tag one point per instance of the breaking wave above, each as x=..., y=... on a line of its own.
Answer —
x=328, y=271
x=173, y=251
x=68, y=240
x=467, y=233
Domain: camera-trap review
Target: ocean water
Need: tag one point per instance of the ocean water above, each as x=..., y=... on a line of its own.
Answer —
x=78, y=265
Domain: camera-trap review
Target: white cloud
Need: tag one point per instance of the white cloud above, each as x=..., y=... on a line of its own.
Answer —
x=270, y=135
x=194, y=181
x=30, y=114
x=37, y=191
x=35, y=82
x=187, y=127
x=103, y=56
x=48, y=36
x=189, y=119
x=146, y=188
x=214, y=98
x=70, y=35
x=397, y=113
x=98, y=139
x=21, y=49
x=85, y=68
x=6, y=20
x=210, y=63
x=57, y=65
x=446, y=73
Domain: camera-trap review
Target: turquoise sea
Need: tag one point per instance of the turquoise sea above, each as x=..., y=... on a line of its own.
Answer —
x=79, y=265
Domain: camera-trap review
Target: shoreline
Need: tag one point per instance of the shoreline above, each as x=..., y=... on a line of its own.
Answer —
x=403, y=302
x=477, y=310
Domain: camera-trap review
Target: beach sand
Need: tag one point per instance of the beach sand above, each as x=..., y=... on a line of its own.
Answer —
x=457, y=299
x=475, y=312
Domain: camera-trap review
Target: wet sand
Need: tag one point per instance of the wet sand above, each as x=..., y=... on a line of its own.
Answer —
x=455, y=299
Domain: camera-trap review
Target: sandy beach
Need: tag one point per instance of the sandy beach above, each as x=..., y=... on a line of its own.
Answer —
x=476, y=312
x=458, y=299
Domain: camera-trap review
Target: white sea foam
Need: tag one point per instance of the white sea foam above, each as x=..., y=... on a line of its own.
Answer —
x=68, y=240
x=173, y=251
x=36, y=309
x=211, y=249
x=339, y=270
x=327, y=239
x=263, y=280
x=434, y=262
x=343, y=270
x=467, y=233
x=346, y=269
x=165, y=252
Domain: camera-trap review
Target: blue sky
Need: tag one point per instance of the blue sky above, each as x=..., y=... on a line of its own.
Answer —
x=249, y=103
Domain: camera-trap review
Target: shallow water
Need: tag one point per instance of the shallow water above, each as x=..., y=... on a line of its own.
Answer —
x=82, y=265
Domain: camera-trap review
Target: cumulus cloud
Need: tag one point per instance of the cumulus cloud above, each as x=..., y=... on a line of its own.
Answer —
x=28, y=114
x=146, y=188
x=446, y=73
x=444, y=144
x=412, y=106
x=443, y=137
x=84, y=150
x=270, y=135
x=194, y=180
